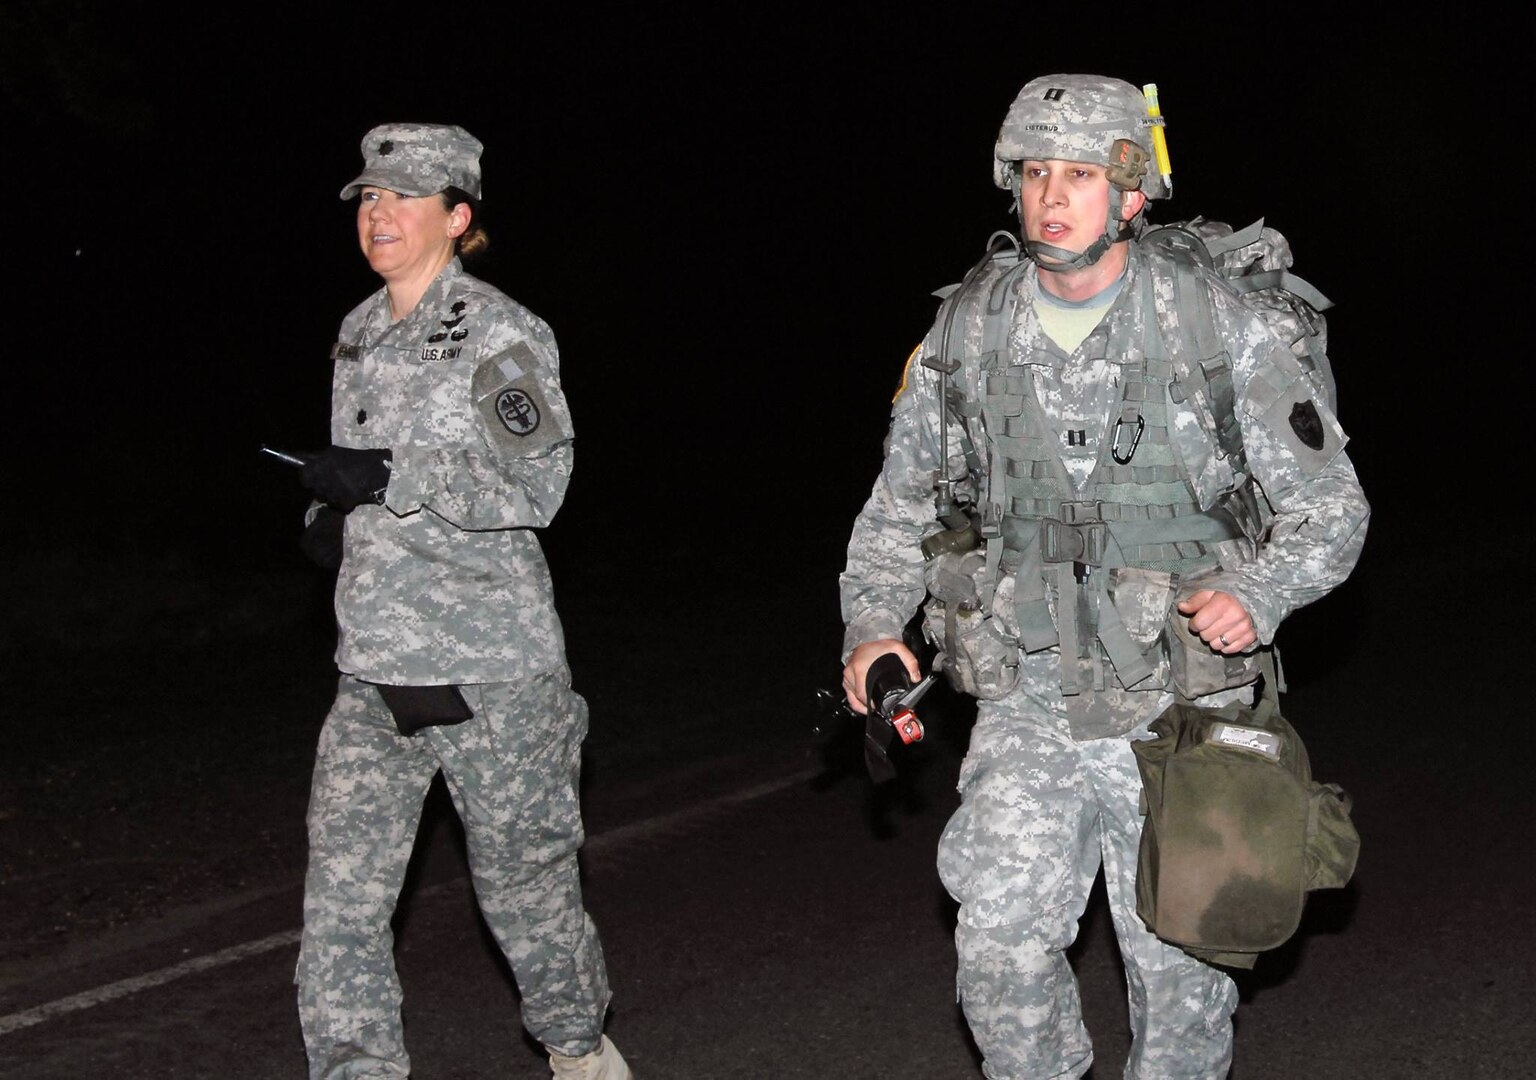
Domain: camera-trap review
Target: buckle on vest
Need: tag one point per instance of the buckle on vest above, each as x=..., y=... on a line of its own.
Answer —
x=1079, y=541
x=1081, y=512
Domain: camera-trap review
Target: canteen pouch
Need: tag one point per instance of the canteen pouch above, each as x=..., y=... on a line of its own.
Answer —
x=977, y=653
x=1142, y=601
x=1124, y=666
x=1236, y=831
x=1198, y=669
x=417, y=707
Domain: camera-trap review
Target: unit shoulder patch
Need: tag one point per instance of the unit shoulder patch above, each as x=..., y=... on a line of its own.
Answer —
x=1307, y=425
x=513, y=405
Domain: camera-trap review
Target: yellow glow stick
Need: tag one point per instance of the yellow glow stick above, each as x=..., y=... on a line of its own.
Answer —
x=1159, y=141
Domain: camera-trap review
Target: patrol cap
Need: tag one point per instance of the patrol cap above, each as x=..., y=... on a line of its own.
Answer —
x=419, y=159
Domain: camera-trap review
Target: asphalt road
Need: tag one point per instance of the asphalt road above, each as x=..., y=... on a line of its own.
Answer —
x=765, y=911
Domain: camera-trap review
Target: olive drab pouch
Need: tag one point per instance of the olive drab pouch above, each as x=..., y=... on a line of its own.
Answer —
x=978, y=654
x=1236, y=830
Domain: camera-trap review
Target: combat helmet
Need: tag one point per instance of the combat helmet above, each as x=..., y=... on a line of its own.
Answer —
x=1088, y=118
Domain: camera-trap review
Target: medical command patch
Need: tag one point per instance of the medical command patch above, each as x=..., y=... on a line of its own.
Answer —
x=512, y=405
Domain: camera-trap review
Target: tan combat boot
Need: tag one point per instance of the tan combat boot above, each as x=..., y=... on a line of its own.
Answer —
x=604, y=1063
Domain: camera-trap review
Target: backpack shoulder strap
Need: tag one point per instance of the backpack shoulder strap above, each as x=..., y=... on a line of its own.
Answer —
x=1200, y=362
x=986, y=294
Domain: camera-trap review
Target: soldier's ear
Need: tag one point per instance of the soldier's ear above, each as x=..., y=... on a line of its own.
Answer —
x=1131, y=203
x=458, y=220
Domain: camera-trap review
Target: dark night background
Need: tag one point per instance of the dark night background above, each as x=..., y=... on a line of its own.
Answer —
x=732, y=219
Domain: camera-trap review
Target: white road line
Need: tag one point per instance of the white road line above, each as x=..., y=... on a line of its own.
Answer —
x=127, y=987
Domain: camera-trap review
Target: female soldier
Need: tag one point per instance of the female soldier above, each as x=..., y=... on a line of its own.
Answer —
x=451, y=442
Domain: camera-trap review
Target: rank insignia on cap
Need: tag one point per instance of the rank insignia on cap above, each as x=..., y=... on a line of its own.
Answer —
x=387, y=146
x=1307, y=425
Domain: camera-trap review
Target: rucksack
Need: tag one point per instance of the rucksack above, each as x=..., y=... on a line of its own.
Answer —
x=1255, y=262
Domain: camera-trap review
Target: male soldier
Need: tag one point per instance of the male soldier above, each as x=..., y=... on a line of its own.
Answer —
x=1094, y=449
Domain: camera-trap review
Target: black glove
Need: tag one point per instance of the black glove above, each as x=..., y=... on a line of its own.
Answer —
x=346, y=478
x=321, y=539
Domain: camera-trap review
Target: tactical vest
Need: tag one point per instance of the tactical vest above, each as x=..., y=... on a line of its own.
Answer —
x=1094, y=573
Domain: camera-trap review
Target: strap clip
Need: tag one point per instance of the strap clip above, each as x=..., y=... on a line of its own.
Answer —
x=1114, y=442
x=1080, y=540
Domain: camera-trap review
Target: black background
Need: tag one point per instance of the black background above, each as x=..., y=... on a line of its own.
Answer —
x=731, y=219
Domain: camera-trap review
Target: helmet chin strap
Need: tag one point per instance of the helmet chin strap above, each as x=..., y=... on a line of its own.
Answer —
x=1115, y=230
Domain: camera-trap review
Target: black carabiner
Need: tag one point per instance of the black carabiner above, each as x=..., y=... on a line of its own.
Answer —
x=1114, y=442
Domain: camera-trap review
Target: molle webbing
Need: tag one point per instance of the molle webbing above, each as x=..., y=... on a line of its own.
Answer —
x=986, y=297
x=1151, y=486
x=1128, y=530
x=1098, y=536
x=1140, y=508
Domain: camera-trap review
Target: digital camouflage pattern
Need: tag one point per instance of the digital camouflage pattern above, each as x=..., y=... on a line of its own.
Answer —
x=1039, y=812
x=512, y=773
x=1019, y=854
x=1074, y=118
x=446, y=582
x=419, y=159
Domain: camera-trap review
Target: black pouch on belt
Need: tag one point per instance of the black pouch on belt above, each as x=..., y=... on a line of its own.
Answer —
x=417, y=707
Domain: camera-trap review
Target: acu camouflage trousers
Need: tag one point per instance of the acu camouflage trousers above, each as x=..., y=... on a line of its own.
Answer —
x=1038, y=815
x=512, y=772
